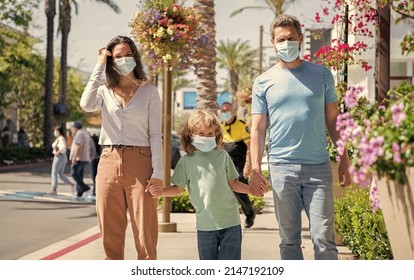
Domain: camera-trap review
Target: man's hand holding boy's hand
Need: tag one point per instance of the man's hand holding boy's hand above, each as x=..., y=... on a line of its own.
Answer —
x=258, y=184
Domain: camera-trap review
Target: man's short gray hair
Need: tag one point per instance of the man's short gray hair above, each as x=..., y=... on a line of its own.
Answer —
x=283, y=21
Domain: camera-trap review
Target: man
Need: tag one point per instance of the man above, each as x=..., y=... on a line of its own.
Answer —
x=297, y=99
x=79, y=157
x=236, y=141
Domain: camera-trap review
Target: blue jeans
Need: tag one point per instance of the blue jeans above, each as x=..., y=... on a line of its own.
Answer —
x=58, y=169
x=223, y=244
x=77, y=172
x=298, y=186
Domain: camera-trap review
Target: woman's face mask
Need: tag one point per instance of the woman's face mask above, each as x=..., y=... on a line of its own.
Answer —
x=125, y=65
x=56, y=133
x=204, y=144
x=287, y=51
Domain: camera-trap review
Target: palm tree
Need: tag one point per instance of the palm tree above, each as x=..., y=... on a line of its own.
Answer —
x=277, y=6
x=65, y=21
x=205, y=64
x=237, y=57
x=50, y=11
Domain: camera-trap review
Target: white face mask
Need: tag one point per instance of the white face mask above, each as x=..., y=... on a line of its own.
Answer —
x=204, y=144
x=287, y=51
x=225, y=117
x=125, y=65
x=56, y=133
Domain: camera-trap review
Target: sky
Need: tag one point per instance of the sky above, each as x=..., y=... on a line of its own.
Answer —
x=95, y=24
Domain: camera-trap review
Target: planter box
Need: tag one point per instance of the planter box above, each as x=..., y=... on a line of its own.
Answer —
x=397, y=204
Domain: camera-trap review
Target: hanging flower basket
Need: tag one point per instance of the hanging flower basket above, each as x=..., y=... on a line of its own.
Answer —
x=169, y=35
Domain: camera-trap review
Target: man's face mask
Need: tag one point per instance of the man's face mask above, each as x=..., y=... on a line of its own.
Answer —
x=287, y=51
x=224, y=116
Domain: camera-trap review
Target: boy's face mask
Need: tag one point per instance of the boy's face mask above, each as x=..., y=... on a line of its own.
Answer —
x=204, y=144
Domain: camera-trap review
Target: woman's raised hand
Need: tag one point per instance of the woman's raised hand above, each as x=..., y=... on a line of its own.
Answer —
x=103, y=54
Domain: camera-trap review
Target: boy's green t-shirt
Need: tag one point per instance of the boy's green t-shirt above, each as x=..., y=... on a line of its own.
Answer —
x=205, y=175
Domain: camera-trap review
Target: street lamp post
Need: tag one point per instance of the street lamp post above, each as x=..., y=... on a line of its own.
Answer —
x=261, y=50
x=166, y=225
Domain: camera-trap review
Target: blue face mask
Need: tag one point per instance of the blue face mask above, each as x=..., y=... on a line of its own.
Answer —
x=287, y=51
x=125, y=65
x=225, y=117
x=204, y=144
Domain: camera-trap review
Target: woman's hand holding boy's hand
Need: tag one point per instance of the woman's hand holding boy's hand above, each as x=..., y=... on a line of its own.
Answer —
x=154, y=187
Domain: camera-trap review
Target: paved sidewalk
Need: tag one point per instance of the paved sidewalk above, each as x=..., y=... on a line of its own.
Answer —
x=259, y=242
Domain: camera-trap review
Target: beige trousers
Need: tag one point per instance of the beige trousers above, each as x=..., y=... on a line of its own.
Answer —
x=120, y=187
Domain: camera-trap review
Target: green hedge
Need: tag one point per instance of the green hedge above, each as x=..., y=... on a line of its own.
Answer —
x=18, y=155
x=360, y=229
x=182, y=204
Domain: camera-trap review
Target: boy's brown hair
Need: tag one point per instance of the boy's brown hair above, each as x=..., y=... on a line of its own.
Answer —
x=197, y=121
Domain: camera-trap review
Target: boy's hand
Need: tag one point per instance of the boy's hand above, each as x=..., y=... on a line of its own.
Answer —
x=258, y=184
x=154, y=187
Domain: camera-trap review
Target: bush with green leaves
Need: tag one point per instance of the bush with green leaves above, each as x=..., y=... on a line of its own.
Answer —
x=361, y=229
x=182, y=204
x=18, y=155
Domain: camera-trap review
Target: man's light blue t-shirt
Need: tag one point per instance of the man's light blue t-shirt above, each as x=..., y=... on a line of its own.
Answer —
x=205, y=175
x=294, y=100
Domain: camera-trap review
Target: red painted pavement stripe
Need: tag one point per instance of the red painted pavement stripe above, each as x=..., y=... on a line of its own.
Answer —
x=72, y=247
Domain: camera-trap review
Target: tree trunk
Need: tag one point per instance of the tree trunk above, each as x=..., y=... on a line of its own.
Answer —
x=234, y=82
x=206, y=84
x=50, y=11
x=382, y=53
x=65, y=22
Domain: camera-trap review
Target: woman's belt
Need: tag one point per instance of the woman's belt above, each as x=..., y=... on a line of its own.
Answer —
x=119, y=146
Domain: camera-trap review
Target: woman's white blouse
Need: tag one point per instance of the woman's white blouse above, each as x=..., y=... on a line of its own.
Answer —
x=139, y=123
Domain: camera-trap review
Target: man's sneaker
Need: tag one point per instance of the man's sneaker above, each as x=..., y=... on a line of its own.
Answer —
x=52, y=193
x=86, y=193
x=249, y=221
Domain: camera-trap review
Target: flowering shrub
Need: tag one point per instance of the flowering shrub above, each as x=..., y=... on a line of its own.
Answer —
x=362, y=17
x=382, y=135
x=169, y=34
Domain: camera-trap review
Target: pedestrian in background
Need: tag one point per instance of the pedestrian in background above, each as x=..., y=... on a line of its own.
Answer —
x=132, y=159
x=60, y=159
x=236, y=142
x=94, y=154
x=22, y=138
x=79, y=157
x=6, y=137
x=210, y=177
x=297, y=99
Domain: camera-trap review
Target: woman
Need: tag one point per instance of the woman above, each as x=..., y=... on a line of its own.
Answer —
x=131, y=159
x=59, y=161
